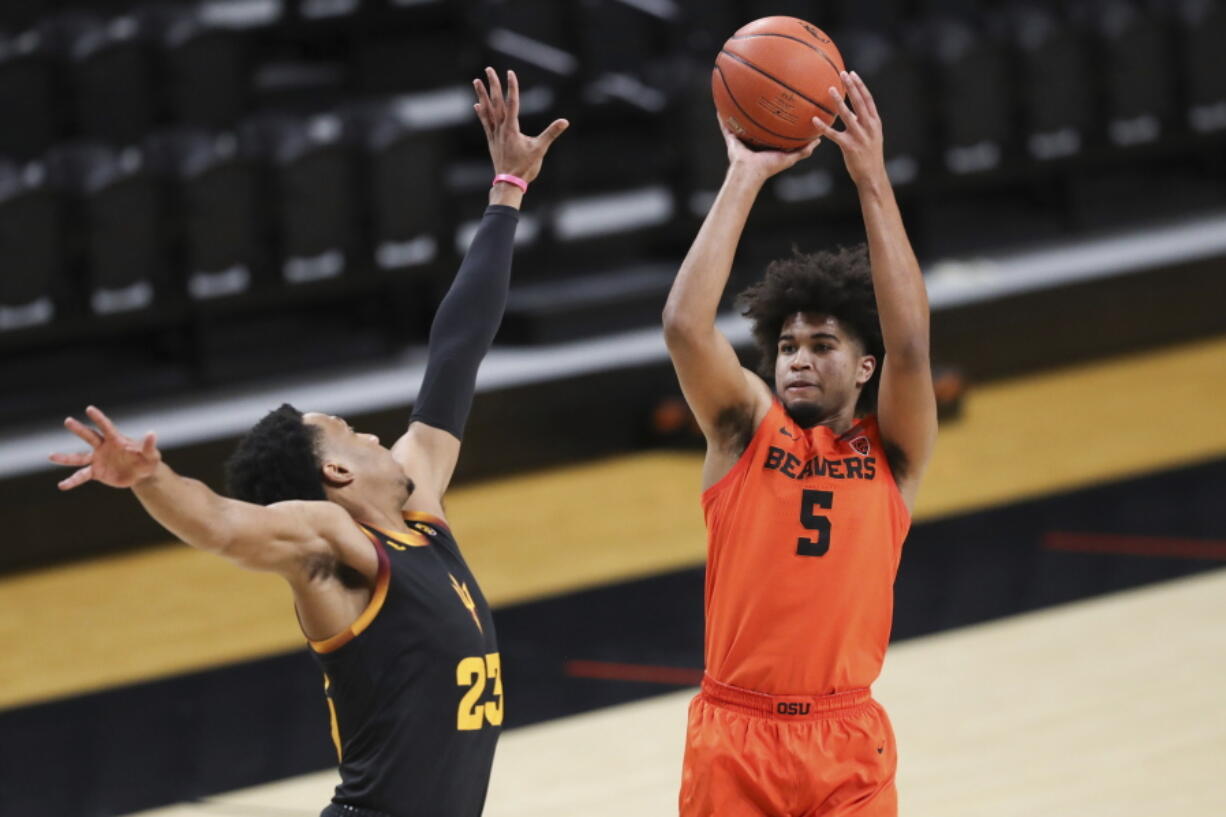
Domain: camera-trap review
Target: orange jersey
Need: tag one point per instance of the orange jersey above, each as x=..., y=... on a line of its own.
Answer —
x=804, y=537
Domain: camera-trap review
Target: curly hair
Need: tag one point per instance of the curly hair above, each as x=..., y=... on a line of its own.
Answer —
x=278, y=459
x=837, y=283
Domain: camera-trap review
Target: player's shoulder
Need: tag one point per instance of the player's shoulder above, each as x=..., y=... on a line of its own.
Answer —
x=317, y=510
x=322, y=523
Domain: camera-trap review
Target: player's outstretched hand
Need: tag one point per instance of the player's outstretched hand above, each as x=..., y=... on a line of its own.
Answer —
x=512, y=151
x=762, y=163
x=113, y=460
x=861, y=139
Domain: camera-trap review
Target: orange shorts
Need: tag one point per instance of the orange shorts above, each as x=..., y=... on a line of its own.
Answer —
x=748, y=754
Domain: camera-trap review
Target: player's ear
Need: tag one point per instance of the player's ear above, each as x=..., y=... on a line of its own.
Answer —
x=868, y=365
x=336, y=474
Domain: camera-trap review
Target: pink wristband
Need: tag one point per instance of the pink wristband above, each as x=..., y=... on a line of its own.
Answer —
x=509, y=179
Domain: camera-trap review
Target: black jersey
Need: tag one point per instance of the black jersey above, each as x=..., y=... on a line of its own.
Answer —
x=414, y=686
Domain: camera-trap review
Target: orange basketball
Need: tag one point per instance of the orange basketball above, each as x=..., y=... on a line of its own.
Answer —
x=770, y=80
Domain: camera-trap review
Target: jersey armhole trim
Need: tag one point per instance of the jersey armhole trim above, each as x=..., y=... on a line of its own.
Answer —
x=372, y=609
x=428, y=518
x=742, y=463
x=413, y=539
x=897, y=492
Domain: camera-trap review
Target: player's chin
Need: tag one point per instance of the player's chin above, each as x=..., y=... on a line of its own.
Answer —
x=806, y=413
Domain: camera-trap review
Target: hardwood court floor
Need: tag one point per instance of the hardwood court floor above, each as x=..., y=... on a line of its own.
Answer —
x=572, y=527
x=168, y=610
x=1103, y=708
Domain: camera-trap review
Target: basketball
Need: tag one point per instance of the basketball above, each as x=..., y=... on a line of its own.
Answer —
x=771, y=78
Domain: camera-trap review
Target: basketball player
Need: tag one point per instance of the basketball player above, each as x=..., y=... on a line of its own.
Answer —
x=807, y=493
x=392, y=614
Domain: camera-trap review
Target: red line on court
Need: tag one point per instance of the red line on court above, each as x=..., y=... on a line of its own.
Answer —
x=611, y=671
x=1163, y=546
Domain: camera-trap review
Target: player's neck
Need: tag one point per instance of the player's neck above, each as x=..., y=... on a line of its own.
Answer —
x=378, y=512
x=839, y=422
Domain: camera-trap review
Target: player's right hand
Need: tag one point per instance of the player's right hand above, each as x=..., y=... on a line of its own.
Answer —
x=761, y=164
x=513, y=152
x=113, y=460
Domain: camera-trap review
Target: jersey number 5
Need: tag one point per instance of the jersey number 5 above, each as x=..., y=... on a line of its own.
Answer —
x=810, y=503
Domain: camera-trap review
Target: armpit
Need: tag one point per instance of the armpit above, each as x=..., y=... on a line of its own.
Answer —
x=897, y=459
x=734, y=428
x=320, y=566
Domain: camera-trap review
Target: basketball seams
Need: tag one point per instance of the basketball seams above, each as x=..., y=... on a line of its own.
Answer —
x=810, y=46
x=773, y=79
x=747, y=115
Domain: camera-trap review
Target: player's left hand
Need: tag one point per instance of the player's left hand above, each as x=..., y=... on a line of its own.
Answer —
x=861, y=139
x=113, y=459
x=512, y=151
x=761, y=164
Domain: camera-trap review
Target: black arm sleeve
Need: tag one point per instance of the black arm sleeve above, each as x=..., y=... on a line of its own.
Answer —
x=466, y=322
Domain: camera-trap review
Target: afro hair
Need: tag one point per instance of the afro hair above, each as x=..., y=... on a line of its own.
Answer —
x=276, y=460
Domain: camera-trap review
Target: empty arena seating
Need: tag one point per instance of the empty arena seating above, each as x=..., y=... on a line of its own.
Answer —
x=314, y=201
x=215, y=190
x=208, y=152
x=1056, y=97
x=31, y=243
x=28, y=94
x=206, y=67
x=119, y=215
x=109, y=69
x=403, y=157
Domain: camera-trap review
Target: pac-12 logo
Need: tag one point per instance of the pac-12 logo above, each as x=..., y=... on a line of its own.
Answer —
x=861, y=445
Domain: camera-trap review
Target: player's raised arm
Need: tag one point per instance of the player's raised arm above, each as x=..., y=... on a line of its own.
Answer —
x=723, y=396
x=286, y=538
x=468, y=317
x=906, y=404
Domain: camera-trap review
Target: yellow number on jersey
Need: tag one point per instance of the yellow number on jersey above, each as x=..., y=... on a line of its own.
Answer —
x=493, y=709
x=473, y=672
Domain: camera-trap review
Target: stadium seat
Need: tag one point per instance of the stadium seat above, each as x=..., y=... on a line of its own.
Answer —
x=535, y=38
x=206, y=66
x=223, y=231
x=976, y=97
x=1136, y=71
x=323, y=11
x=896, y=79
x=414, y=45
x=1055, y=84
x=869, y=13
x=28, y=95
x=1202, y=31
x=17, y=16
x=705, y=24
x=405, y=61
x=317, y=211
x=628, y=51
x=120, y=212
x=706, y=160
x=31, y=246
x=404, y=163
x=112, y=78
